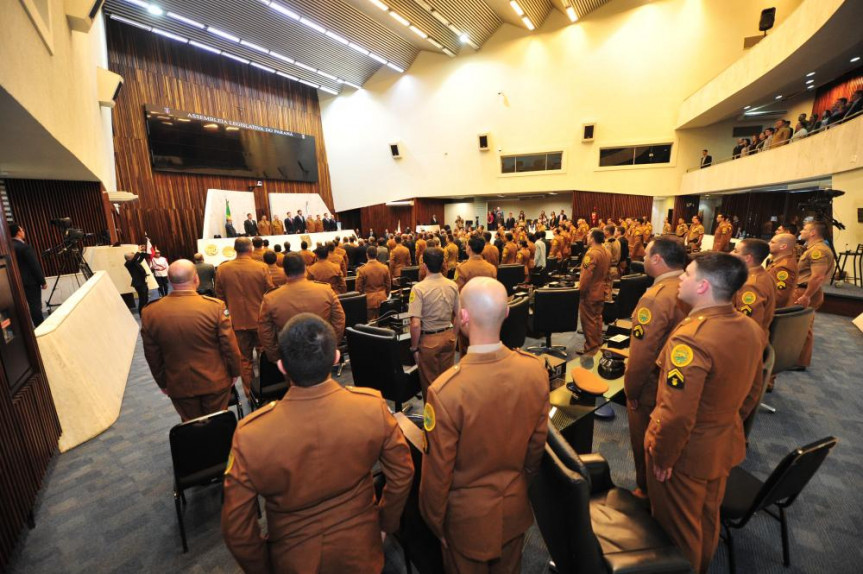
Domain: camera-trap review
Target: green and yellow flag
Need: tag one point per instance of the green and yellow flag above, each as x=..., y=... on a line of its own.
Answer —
x=227, y=209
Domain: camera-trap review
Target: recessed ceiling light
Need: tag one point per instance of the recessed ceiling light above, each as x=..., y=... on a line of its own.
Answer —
x=205, y=47
x=746, y=107
x=313, y=25
x=810, y=81
x=221, y=34
x=517, y=8
x=779, y=97
x=855, y=59
x=254, y=47
x=185, y=20
x=811, y=87
x=570, y=11
x=337, y=38
x=170, y=35
x=155, y=10
x=289, y=13
x=380, y=5
x=419, y=32
x=377, y=58
x=464, y=38
x=400, y=19
x=278, y=56
x=528, y=23
x=394, y=67
x=810, y=74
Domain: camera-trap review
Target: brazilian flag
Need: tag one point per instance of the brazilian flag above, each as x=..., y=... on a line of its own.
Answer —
x=227, y=209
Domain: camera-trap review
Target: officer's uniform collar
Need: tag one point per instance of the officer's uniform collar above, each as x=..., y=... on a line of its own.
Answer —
x=298, y=393
x=721, y=309
x=668, y=275
x=486, y=357
x=182, y=293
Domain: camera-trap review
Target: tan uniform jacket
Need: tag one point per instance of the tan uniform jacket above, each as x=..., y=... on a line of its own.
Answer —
x=241, y=284
x=340, y=251
x=565, y=244
x=523, y=258
x=722, y=237
x=277, y=227
x=293, y=298
x=311, y=456
x=339, y=262
x=682, y=230
x=593, y=283
x=817, y=254
x=420, y=247
x=666, y=229
x=400, y=257
x=695, y=235
x=554, y=250
x=757, y=298
x=784, y=274
x=636, y=244
x=474, y=480
x=612, y=246
x=374, y=280
x=308, y=257
x=264, y=228
x=474, y=267
x=319, y=225
x=277, y=274
x=656, y=315
x=189, y=344
x=328, y=272
x=258, y=254
x=706, y=389
x=509, y=251
x=451, y=251
x=491, y=254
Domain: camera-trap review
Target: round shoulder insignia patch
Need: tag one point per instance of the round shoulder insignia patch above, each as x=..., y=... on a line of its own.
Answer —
x=587, y=259
x=412, y=296
x=681, y=355
x=211, y=250
x=644, y=315
x=749, y=297
x=816, y=254
x=428, y=418
x=230, y=462
x=782, y=275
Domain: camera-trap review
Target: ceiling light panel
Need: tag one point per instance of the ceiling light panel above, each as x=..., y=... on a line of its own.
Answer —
x=472, y=17
x=585, y=7
x=424, y=22
x=536, y=10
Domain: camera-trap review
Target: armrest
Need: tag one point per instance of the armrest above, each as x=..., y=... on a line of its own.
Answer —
x=600, y=473
x=666, y=560
x=412, y=369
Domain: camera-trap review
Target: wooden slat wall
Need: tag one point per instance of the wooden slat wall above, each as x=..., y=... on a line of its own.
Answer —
x=610, y=205
x=685, y=206
x=36, y=202
x=163, y=72
x=380, y=217
x=755, y=209
x=424, y=208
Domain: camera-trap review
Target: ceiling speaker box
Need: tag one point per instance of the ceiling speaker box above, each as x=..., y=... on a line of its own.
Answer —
x=82, y=13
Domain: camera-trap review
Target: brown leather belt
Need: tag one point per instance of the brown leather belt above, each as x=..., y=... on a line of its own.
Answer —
x=436, y=332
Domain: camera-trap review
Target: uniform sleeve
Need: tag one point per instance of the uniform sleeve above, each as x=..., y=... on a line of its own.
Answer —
x=673, y=423
x=644, y=351
x=586, y=279
x=459, y=278
x=267, y=332
x=398, y=469
x=240, y=527
x=536, y=446
x=228, y=346
x=361, y=282
x=337, y=316
x=220, y=292
x=438, y=464
x=153, y=354
x=388, y=283
x=415, y=303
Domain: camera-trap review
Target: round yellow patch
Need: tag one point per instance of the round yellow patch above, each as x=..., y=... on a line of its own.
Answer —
x=749, y=298
x=211, y=250
x=228, y=251
x=587, y=259
x=816, y=255
x=782, y=275
x=644, y=315
x=230, y=462
x=412, y=297
x=428, y=418
x=681, y=355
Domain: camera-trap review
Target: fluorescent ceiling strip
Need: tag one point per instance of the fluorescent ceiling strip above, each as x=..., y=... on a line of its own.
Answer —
x=221, y=34
x=380, y=5
x=326, y=75
x=255, y=47
x=185, y=20
x=337, y=38
x=205, y=47
x=170, y=35
x=359, y=49
x=517, y=8
x=288, y=76
x=394, y=67
x=419, y=32
x=305, y=66
x=309, y=83
x=139, y=4
x=233, y=57
x=328, y=90
x=400, y=19
x=376, y=57
x=278, y=56
x=351, y=84
x=263, y=67
x=435, y=43
x=528, y=23
x=570, y=11
x=313, y=25
x=285, y=11
x=448, y=53
x=130, y=22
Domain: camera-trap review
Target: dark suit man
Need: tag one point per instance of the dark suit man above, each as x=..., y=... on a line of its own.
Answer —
x=250, y=225
x=206, y=275
x=706, y=160
x=289, y=224
x=510, y=221
x=139, y=275
x=299, y=223
x=229, y=228
x=31, y=273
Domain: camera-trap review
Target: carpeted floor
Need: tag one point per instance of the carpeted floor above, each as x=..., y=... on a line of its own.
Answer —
x=107, y=506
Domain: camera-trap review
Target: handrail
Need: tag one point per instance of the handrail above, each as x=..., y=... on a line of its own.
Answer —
x=787, y=142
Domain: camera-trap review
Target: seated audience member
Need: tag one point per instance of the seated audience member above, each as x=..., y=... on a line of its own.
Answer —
x=190, y=345
x=800, y=131
x=837, y=112
x=856, y=104
x=206, y=276
x=277, y=274
x=311, y=456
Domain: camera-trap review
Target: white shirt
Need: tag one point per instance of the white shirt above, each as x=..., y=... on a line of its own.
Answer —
x=539, y=254
x=489, y=348
x=159, y=265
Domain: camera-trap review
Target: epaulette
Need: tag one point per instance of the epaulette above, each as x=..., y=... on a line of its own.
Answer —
x=320, y=282
x=694, y=322
x=446, y=377
x=263, y=410
x=526, y=354
x=363, y=391
x=212, y=299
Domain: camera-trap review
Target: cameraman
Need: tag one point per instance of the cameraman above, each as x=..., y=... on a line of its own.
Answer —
x=139, y=274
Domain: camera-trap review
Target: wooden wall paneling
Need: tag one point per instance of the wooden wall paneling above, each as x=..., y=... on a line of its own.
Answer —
x=36, y=202
x=423, y=210
x=685, y=206
x=381, y=217
x=351, y=219
x=162, y=72
x=609, y=205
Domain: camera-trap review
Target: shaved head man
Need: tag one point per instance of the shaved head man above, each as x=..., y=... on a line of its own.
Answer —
x=190, y=345
x=466, y=467
x=783, y=267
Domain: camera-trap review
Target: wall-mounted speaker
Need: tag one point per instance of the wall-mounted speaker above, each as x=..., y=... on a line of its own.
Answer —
x=395, y=150
x=82, y=13
x=483, y=142
x=768, y=16
x=109, y=85
x=588, y=132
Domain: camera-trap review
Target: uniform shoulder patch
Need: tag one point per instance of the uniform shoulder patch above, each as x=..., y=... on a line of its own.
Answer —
x=413, y=296
x=749, y=297
x=816, y=254
x=782, y=275
x=675, y=379
x=428, y=418
x=258, y=413
x=638, y=331
x=643, y=315
x=363, y=391
x=587, y=260
x=681, y=355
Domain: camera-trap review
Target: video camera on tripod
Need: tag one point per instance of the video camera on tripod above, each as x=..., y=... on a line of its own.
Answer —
x=69, y=247
x=71, y=234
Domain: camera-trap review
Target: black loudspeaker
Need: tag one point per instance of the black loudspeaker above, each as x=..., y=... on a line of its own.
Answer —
x=395, y=151
x=483, y=142
x=860, y=215
x=768, y=15
x=587, y=133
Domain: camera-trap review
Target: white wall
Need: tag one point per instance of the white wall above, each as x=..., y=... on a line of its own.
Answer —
x=627, y=66
x=57, y=85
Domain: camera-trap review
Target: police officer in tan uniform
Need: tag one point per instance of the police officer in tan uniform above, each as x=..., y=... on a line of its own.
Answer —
x=308, y=256
x=757, y=297
x=374, y=280
x=326, y=271
x=783, y=267
x=682, y=229
x=264, y=227
x=695, y=235
x=695, y=435
x=722, y=234
x=420, y=247
x=190, y=345
x=241, y=284
x=433, y=307
x=475, y=266
x=277, y=227
x=636, y=244
x=612, y=246
x=340, y=262
x=451, y=252
x=523, y=257
x=656, y=315
x=593, y=285
x=277, y=273
x=258, y=249
x=473, y=491
x=399, y=257
x=311, y=455
x=510, y=249
x=489, y=251
x=814, y=268
x=298, y=295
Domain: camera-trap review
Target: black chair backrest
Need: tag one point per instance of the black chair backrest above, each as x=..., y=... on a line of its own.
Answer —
x=577, y=250
x=510, y=275
x=632, y=287
x=552, y=264
x=636, y=267
x=376, y=361
x=560, y=498
x=411, y=274
x=351, y=282
x=513, y=331
x=555, y=310
x=269, y=375
x=355, y=307
x=201, y=447
x=788, y=335
x=791, y=475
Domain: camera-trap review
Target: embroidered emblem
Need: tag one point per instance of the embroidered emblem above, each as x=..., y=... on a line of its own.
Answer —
x=681, y=355
x=428, y=418
x=749, y=298
x=782, y=275
x=675, y=379
x=638, y=332
x=644, y=315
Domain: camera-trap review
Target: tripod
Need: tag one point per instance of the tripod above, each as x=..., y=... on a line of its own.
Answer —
x=70, y=253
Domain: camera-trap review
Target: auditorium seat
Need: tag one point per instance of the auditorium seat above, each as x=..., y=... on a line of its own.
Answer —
x=555, y=310
x=513, y=331
x=376, y=363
